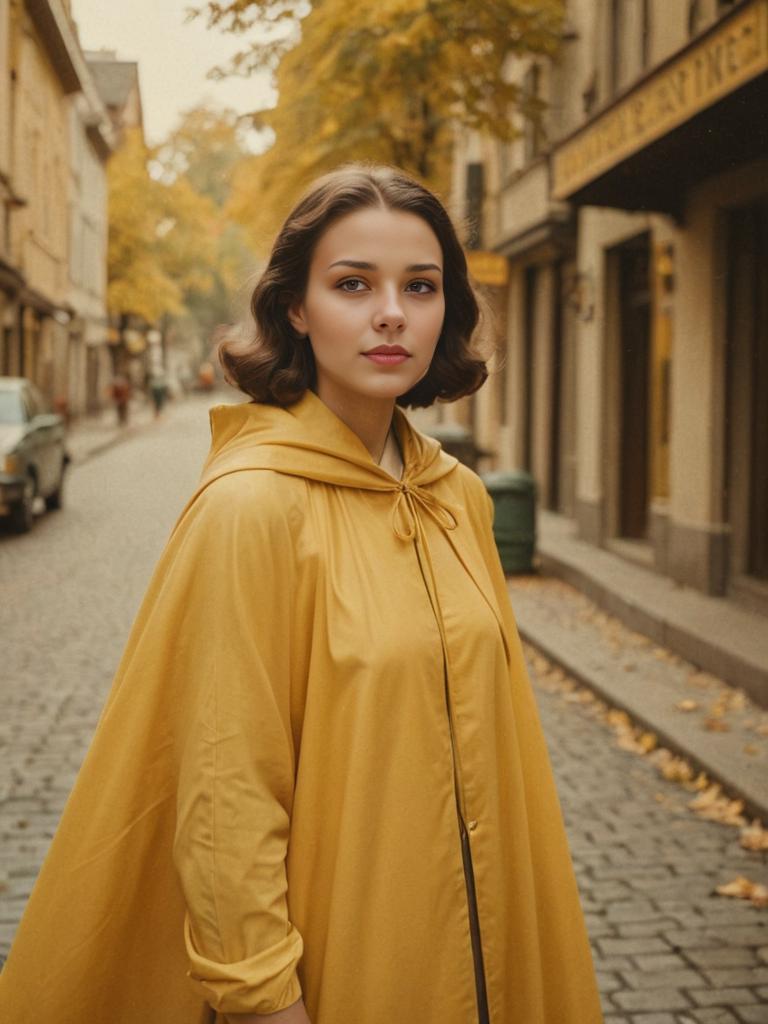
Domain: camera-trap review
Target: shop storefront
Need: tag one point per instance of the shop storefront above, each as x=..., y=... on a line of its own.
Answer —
x=670, y=183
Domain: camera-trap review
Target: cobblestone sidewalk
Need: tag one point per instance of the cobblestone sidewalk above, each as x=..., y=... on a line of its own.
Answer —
x=716, y=726
x=667, y=948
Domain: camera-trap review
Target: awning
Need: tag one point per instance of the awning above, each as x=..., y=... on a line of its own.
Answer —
x=699, y=113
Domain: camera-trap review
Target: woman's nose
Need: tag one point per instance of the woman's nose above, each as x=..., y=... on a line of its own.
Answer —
x=390, y=316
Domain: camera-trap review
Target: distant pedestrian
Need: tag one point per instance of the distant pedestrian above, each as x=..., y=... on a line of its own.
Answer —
x=158, y=389
x=319, y=791
x=206, y=377
x=121, y=396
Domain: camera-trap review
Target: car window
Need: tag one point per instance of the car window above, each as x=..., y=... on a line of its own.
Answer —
x=11, y=409
x=29, y=404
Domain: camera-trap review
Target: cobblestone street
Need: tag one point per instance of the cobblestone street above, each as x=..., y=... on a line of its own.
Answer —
x=667, y=950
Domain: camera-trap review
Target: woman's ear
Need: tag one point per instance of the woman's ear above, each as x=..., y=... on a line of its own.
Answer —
x=297, y=319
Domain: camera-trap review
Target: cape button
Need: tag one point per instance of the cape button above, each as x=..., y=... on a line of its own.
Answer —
x=471, y=825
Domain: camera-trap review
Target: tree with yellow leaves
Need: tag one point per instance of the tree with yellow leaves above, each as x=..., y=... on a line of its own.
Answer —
x=382, y=80
x=159, y=237
x=201, y=155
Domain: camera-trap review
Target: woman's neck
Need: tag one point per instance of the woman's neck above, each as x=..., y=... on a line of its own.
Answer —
x=369, y=418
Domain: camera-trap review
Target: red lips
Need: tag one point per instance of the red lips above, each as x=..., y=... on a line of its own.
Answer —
x=387, y=350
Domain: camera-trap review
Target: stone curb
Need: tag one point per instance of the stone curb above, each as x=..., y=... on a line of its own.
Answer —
x=680, y=738
x=646, y=614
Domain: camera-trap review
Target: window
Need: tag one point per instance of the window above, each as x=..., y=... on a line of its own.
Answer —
x=614, y=42
x=507, y=162
x=589, y=94
x=629, y=41
x=645, y=35
x=696, y=17
x=11, y=408
x=533, y=110
x=475, y=196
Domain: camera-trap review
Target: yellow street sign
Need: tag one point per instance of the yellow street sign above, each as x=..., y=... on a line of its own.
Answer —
x=487, y=267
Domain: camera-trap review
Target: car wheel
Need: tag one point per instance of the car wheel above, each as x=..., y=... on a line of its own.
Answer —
x=22, y=511
x=56, y=499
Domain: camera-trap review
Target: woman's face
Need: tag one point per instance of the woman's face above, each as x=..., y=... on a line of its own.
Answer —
x=374, y=305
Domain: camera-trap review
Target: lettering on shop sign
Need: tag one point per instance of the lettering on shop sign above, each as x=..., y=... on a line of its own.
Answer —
x=731, y=55
x=487, y=267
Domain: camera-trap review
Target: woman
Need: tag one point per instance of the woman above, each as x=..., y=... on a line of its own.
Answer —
x=319, y=787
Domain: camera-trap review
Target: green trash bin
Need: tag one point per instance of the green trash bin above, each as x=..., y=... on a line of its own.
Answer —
x=457, y=441
x=514, y=524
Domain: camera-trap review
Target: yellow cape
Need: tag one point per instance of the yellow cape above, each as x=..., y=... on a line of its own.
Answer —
x=323, y=687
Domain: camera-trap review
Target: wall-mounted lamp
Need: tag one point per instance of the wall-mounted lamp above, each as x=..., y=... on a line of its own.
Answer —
x=579, y=294
x=665, y=267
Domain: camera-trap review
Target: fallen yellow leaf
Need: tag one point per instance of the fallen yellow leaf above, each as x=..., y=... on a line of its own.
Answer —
x=712, y=806
x=703, y=680
x=714, y=724
x=737, y=700
x=618, y=718
x=687, y=705
x=754, y=837
x=540, y=664
x=648, y=742
x=739, y=888
x=705, y=799
x=676, y=770
x=742, y=889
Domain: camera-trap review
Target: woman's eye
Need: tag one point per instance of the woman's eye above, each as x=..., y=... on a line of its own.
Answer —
x=422, y=287
x=350, y=284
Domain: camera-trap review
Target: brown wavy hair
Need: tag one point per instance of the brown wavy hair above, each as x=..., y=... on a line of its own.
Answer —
x=275, y=365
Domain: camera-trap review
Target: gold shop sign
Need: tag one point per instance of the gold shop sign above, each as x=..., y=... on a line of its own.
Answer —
x=487, y=267
x=730, y=56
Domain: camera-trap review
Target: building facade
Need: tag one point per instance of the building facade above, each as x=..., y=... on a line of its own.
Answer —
x=11, y=281
x=54, y=143
x=134, y=344
x=92, y=140
x=633, y=221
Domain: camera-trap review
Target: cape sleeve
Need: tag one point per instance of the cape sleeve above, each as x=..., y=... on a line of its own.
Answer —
x=169, y=858
x=234, y=743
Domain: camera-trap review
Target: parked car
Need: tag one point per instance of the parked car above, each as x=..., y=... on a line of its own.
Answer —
x=33, y=456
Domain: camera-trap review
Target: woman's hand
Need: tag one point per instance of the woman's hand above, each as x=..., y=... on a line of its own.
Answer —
x=294, y=1014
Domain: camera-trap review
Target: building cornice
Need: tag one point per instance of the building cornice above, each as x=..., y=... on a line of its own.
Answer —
x=59, y=39
x=729, y=57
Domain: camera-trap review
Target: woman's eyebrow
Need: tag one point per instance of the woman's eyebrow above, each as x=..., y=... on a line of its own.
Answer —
x=414, y=268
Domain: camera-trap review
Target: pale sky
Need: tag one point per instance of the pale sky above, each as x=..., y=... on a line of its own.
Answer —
x=173, y=57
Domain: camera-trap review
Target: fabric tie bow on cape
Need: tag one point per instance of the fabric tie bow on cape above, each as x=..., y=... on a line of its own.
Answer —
x=277, y=439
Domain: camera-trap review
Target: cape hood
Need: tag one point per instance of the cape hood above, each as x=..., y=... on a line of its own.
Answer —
x=307, y=439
